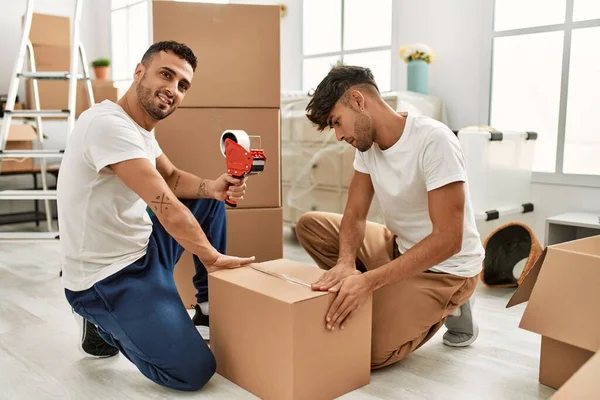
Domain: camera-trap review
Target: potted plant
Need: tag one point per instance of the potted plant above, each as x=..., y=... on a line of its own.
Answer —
x=418, y=57
x=101, y=66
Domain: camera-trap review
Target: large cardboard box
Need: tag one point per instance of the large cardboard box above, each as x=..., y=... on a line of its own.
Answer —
x=257, y=233
x=102, y=90
x=191, y=139
x=563, y=303
x=50, y=30
x=268, y=334
x=237, y=46
x=20, y=137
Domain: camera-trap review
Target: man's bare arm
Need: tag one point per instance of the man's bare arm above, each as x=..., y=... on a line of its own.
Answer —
x=183, y=184
x=354, y=221
x=141, y=177
x=446, y=210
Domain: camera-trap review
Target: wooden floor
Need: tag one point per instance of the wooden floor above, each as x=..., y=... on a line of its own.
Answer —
x=39, y=358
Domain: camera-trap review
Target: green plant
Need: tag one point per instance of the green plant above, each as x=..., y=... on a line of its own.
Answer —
x=101, y=62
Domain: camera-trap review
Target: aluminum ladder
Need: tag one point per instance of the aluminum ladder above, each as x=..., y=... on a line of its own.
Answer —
x=36, y=114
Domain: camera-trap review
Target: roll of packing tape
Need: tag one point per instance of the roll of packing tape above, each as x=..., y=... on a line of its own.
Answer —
x=238, y=136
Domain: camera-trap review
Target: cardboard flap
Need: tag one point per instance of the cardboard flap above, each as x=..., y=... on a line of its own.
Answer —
x=583, y=384
x=588, y=245
x=266, y=282
x=524, y=290
x=564, y=302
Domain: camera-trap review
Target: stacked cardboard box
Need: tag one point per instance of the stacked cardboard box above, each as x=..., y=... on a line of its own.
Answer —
x=51, y=41
x=20, y=137
x=235, y=86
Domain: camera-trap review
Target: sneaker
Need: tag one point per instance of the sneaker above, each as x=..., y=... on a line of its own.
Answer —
x=91, y=343
x=462, y=328
x=201, y=320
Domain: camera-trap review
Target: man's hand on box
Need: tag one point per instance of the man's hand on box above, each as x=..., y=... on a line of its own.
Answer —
x=227, y=262
x=352, y=292
x=334, y=276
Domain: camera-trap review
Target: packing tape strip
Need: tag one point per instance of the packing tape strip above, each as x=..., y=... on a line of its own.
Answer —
x=281, y=276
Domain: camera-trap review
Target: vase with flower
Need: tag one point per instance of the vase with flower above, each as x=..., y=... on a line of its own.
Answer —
x=418, y=57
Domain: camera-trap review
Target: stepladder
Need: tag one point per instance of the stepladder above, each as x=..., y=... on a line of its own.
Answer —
x=25, y=69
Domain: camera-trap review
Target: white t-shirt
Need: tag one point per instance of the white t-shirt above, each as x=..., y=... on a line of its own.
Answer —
x=104, y=225
x=427, y=156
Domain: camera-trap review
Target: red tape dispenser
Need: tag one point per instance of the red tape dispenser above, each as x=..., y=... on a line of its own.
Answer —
x=241, y=160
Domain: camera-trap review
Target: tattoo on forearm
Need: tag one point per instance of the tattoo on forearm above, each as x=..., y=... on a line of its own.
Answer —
x=202, y=191
x=161, y=203
x=176, y=182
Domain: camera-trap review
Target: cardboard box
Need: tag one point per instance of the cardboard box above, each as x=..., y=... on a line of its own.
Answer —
x=257, y=232
x=52, y=58
x=584, y=384
x=20, y=137
x=563, y=302
x=102, y=89
x=191, y=139
x=268, y=334
x=237, y=47
x=50, y=30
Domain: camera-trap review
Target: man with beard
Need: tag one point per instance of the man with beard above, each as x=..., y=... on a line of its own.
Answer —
x=118, y=260
x=422, y=266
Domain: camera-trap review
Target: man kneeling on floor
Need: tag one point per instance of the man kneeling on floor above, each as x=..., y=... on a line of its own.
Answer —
x=118, y=260
x=422, y=266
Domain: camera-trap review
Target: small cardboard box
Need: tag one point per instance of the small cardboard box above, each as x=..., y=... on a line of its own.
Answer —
x=191, y=138
x=237, y=46
x=268, y=334
x=563, y=303
x=20, y=137
x=250, y=232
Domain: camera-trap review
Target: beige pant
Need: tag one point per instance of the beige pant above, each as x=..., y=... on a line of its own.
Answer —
x=406, y=314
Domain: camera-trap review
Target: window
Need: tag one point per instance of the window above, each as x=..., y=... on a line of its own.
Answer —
x=130, y=37
x=329, y=36
x=544, y=70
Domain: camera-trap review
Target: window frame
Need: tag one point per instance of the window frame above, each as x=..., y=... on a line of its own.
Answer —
x=342, y=52
x=558, y=177
x=128, y=80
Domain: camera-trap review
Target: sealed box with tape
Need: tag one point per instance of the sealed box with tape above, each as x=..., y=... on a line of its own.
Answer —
x=268, y=334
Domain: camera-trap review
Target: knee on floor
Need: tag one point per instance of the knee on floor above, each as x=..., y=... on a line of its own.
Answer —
x=193, y=375
x=380, y=359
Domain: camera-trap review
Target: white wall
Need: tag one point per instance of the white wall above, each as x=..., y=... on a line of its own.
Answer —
x=94, y=29
x=458, y=32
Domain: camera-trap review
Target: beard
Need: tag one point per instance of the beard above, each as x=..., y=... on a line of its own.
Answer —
x=148, y=98
x=362, y=130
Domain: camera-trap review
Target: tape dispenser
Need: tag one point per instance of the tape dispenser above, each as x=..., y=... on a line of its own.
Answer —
x=241, y=159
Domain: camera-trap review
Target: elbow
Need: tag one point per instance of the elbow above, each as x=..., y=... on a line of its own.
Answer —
x=173, y=217
x=455, y=244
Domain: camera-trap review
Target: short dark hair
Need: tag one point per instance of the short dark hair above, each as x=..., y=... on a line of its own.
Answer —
x=333, y=87
x=179, y=49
